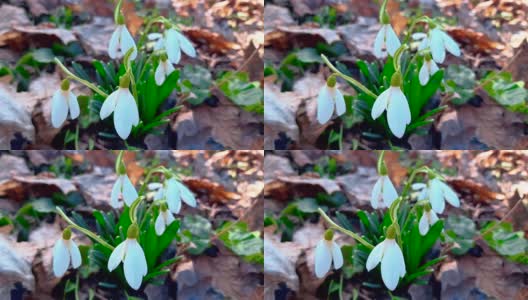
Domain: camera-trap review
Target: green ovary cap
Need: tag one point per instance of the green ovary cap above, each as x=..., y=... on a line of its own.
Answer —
x=124, y=81
x=122, y=168
x=331, y=81
x=427, y=207
x=385, y=19
x=65, y=85
x=163, y=207
x=133, y=231
x=397, y=79
x=329, y=235
x=428, y=57
x=66, y=234
x=120, y=19
x=164, y=57
x=391, y=232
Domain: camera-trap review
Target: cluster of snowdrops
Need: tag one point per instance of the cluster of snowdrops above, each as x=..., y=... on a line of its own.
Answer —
x=167, y=195
x=430, y=201
x=432, y=47
x=168, y=47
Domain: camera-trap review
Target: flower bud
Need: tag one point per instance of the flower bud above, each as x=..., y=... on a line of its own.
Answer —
x=66, y=234
x=397, y=79
x=65, y=85
x=329, y=235
x=133, y=231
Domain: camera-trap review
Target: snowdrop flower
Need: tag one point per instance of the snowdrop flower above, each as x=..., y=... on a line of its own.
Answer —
x=393, y=100
x=121, y=41
x=386, y=41
x=64, y=252
x=438, y=42
x=437, y=192
x=383, y=193
x=173, y=192
x=326, y=251
x=428, y=219
x=173, y=42
x=164, y=219
x=390, y=255
x=163, y=70
x=131, y=254
x=63, y=101
x=123, y=105
x=329, y=97
x=429, y=68
x=124, y=189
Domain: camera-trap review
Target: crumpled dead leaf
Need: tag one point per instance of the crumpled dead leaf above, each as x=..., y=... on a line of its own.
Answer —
x=214, y=191
x=288, y=187
x=289, y=37
x=214, y=41
x=16, y=129
x=24, y=187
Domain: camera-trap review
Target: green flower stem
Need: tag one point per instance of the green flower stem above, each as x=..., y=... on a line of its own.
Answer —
x=397, y=57
x=345, y=231
x=128, y=68
x=75, y=77
x=83, y=230
x=348, y=78
x=413, y=24
x=117, y=10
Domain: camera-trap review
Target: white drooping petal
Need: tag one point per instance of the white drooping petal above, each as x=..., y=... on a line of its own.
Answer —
x=379, y=42
x=75, y=254
x=389, y=191
x=380, y=104
x=126, y=114
x=61, y=258
x=423, y=225
x=450, y=44
x=154, y=36
x=117, y=256
x=114, y=45
x=375, y=256
x=109, y=104
x=398, y=112
x=436, y=196
x=449, y=194
x=437, y=46
x=160, y=74
x=433, y=68
x=173, y=196
x=337, y=255
x=127, y=42
x=172, y=46
x=392, y=264
x=160, y=224
x=424, y=74
x=153, y=186
x=135, y=264
x=59, y=108
x=323, y=259
x=185, y=45
x=418, y=186
x=129, y=192
x=169, y=218
x=73, y=105
x=418, y=36
x=325, y=105
x=339, y=102
x=433, y=218
x=376, y=194
x=116, y=192
x=186, y=195
x=424, y=44
x=393, y=43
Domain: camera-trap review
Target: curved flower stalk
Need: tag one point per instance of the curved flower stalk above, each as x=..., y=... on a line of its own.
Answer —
x=173, y=42
x=428, y=69
x=65, y=252
x=393, y=101
x=164, y=69
x=164, y=219
x=437, y=41
x=64, y=101
x=437, y=192
x=131, y=254
x=121, y=41
x=389, y=254
x=329, y=98
x=327, y=251
x=428, y=219
x=123, y=105
x=173, y=191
